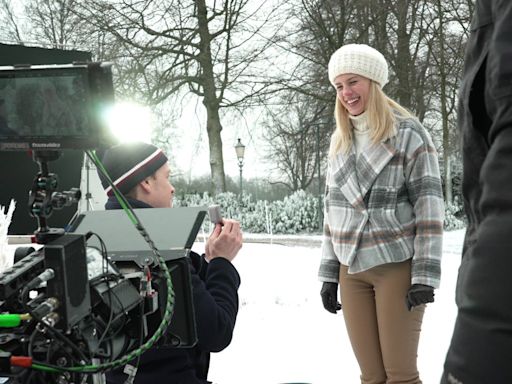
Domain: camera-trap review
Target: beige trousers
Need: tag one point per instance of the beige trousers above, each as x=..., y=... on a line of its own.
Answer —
x=383, y=333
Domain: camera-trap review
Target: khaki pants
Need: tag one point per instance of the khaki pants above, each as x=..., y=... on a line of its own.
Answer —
x=383, y=333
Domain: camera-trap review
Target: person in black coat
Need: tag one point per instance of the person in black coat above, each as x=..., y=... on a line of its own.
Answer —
x=481, y=345
x=141, y=172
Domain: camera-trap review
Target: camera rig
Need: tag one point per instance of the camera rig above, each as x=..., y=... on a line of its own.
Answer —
x=69, y=314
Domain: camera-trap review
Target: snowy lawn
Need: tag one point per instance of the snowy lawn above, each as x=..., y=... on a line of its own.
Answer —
x=283, y=334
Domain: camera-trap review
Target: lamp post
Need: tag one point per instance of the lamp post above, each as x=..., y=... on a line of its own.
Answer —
x=240, y=151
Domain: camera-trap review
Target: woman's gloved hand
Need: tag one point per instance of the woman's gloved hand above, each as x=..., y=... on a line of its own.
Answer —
x=329, y=293
x=419, y=294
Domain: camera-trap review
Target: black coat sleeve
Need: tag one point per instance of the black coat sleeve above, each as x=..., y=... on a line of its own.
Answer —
x=215, y=294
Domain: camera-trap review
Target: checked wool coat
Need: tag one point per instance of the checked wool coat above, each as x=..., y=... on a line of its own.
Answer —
x=385, y=206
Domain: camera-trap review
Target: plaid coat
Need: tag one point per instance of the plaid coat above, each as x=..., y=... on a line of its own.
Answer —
x=385, y=206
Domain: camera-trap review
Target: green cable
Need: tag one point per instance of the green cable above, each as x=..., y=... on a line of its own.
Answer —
x=9, y=320
x=44, y=368
x=119, y=196
x=169, y=305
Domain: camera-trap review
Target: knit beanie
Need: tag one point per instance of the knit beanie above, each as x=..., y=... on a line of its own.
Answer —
x=128, y=164
x=359, y=59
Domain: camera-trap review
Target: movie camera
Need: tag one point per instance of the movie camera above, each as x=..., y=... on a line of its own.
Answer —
x=69, y=311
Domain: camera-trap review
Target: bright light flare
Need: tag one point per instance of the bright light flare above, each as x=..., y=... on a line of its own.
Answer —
x=129, y=121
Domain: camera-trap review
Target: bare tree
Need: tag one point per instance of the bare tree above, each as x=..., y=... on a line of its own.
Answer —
x=52, y=22
x=305, y=106
x=11, y=30
x=396, y=28
x=294, y=132
x=447, y=47
x=211, y=49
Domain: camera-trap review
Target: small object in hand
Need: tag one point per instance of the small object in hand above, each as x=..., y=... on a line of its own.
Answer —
x=215, y=214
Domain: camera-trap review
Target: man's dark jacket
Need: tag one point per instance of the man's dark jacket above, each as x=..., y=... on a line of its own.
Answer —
x=214, y=290
x=481, y=346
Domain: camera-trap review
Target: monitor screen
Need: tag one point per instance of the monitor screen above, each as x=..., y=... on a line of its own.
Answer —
x=53, y=107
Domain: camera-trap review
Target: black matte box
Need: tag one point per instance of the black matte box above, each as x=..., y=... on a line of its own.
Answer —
x=181, y=332
x=67, y=257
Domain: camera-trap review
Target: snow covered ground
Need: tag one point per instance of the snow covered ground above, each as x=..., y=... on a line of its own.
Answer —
x=283, y=334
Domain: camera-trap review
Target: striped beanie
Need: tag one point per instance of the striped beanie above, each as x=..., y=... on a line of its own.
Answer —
x=128, y=164
x=359, y=59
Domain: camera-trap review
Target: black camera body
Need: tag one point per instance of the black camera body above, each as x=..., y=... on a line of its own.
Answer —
x=90, y=310
x=74, y=317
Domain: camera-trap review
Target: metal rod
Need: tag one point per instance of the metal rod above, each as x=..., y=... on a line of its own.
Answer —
x=240, y=164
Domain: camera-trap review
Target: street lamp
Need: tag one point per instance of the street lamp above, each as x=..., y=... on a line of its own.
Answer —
x=240, y=151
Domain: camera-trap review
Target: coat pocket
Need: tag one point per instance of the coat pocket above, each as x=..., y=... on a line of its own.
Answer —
x=383, y=211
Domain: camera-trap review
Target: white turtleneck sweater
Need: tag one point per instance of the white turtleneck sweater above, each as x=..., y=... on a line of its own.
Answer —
x=361, y=132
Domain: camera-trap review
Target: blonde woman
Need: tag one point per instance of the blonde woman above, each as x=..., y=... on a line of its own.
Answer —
x=383, y=219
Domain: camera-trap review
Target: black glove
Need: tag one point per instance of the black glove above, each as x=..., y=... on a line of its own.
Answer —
x=329, y=293
x=419, y=294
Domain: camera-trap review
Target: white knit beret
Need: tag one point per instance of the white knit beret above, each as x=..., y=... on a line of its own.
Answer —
x=359, y=59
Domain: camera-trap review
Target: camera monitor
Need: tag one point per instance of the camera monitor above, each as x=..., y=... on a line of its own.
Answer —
x=54, y=107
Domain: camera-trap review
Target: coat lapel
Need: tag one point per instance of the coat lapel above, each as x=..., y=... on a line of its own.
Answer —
x=371, y=162
x=344, y=175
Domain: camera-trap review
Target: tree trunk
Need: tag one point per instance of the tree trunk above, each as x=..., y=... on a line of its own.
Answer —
x=210, y=101
x=403, y=56
x=444, y=111
x=448, y=185
x=214, y=127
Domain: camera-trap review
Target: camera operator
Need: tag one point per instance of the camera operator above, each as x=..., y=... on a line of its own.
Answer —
x=141, y=172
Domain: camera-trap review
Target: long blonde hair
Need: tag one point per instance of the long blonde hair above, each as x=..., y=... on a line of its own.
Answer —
x=383, y=113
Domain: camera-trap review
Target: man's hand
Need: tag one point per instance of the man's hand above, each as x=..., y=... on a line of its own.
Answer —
x=225, y=240
x=419, y=294
x=329, y=293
